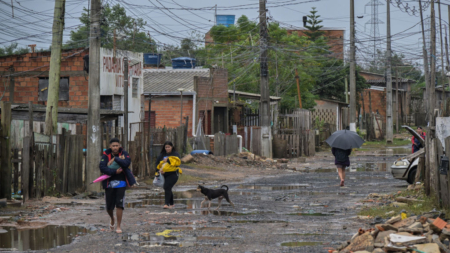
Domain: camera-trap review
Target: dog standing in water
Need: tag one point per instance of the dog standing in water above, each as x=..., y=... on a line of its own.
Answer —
x=211, y=194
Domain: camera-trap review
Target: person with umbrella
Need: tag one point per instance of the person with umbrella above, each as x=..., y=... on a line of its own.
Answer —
x=342, y=142
x=114, y=163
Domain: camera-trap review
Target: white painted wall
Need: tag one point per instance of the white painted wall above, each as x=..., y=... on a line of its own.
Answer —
x=111, y=80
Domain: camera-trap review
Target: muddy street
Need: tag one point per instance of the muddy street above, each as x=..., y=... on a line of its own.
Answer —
x=275, y=211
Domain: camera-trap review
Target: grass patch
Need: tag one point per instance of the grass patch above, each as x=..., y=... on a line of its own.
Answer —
x=382, y=143
x=186, y=179
x=205, y=167
x=426, y=205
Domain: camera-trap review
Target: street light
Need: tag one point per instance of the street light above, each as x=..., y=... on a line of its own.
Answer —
x=181, y=113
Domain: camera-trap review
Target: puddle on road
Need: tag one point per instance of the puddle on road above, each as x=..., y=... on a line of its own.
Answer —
x=257, y=221
x=360, y=167
x=220, y=213
x=300, y=244
x=150, y=240
x=273, y=187
x=312, y=214
x=39, y=239
x=187, y=203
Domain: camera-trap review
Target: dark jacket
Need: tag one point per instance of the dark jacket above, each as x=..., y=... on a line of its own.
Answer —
x=161, y=157
x=123, y=163
x=346, y=153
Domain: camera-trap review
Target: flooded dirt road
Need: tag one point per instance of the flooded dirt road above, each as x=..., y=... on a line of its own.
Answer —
x=276, y=211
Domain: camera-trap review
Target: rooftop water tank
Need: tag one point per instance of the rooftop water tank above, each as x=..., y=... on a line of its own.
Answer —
x=152, y=59
x=183, y=63
x=225, y=20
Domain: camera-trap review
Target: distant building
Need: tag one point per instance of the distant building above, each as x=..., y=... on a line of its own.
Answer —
x=335, y=38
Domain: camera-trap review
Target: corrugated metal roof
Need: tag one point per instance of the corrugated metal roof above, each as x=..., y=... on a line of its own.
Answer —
x=170, y=80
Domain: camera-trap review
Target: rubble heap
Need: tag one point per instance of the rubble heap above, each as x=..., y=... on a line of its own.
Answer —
x=246, y=159
x=428, y=233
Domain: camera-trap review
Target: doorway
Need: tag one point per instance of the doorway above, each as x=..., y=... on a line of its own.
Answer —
x=220, y=119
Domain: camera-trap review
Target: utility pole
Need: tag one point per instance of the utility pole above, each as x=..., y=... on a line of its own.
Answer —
x=51, y=116
x=264, y=106
x=389, y=120
x=442, y=45
x=346, y=91
x=352, y=68
x=125, y=103
x=425, y=52
x=431, y=91
x=397, y=100
x=93, y=122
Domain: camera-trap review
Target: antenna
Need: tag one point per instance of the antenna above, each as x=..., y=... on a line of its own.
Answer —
x=374, y=21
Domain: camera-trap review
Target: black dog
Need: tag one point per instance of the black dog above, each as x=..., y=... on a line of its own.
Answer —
x=213, y=194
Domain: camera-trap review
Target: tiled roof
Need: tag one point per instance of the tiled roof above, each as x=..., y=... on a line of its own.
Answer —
x=170, y=80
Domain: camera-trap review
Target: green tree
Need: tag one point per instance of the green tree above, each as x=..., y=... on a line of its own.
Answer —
x=13, y=49
x=314, y=26
x=130, y=34
x=331, y=83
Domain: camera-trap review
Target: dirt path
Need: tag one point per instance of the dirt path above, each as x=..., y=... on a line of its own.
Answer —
x=275, y=210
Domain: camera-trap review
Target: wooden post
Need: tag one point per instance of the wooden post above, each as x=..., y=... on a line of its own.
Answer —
x=447, y=150
x=5, y=163
x=51, y=118
x=16, y=170
x=420, y=173
x=26, y=157
x=185, y=135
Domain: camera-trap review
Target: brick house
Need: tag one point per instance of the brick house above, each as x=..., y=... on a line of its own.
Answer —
x=335, y=39
x=205, y=97
x=26, y=76
x=377, y=99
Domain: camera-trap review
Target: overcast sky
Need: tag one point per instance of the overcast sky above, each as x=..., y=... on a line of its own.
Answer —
x=33, y=19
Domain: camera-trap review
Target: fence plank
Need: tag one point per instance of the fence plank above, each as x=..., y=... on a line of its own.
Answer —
x=231, y=144
x=219, y=144
x=16, y=171
x=25, y=168
x=65, y=168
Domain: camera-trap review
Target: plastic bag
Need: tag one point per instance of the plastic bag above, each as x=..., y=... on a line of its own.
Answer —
x=159, y=181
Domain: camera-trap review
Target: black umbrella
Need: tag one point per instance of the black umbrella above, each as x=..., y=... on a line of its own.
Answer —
x=345, y=139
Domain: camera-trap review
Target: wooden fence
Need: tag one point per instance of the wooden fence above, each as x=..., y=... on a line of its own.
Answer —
x=51, y=167
x=147, y=145
x=225, y=145
x=294, y=136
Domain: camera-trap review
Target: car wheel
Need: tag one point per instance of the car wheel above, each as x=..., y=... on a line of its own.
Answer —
x=412, y=175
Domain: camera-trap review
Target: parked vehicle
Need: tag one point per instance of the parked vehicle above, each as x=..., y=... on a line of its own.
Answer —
x=405, y=168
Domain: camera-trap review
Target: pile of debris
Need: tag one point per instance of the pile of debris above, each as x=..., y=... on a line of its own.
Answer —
x=428, y=233
x=247, y=159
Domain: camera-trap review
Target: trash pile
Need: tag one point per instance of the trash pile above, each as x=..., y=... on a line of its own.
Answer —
x=427, y=233
x=247, y=159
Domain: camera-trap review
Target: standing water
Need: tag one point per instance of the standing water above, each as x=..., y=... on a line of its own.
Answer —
x=38, y=239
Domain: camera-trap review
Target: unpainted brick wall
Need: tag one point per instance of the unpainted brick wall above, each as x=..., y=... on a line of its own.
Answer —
x=26, y=87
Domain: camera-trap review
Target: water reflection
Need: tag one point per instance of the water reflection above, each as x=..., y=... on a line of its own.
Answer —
x=40, y=238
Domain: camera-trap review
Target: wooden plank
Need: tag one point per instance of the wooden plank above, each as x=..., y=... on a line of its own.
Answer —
x=80, y=162
x=38, y=172
x=45, y=171
x=65, y=164
x=25, y=175
x=447, y=152
x=5, y=159
x=16, y=171
x=440, y=178
x=58, y=162
x=219, y=144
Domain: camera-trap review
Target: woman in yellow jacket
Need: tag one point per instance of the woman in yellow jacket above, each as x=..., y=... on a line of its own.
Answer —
x=167, y=164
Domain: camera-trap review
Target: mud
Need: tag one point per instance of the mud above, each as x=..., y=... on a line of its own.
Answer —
x=275, y=211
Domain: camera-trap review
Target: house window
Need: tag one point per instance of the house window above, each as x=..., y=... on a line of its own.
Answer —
x=63, y=89
x=135, y=87
x=106, y=102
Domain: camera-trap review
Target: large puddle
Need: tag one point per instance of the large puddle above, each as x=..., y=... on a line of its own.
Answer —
x=38, y=239
x=361, y=167
x=166, y=238
x=272, y=187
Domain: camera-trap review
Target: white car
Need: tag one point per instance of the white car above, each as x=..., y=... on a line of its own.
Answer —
x=405, y=168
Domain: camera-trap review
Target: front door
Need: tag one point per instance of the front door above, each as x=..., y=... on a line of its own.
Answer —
x=220, y=122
